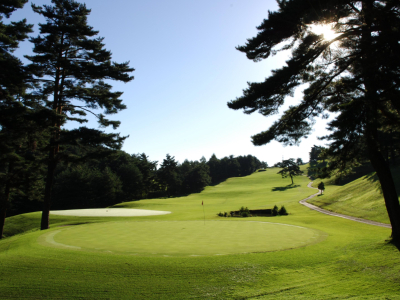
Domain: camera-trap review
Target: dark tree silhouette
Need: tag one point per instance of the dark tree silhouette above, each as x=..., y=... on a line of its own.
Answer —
x=15, y=129
x=355, y=75
x=290, y=169
x=71, y=65
x=321, y=187
x=168, y=176
x=314, y=154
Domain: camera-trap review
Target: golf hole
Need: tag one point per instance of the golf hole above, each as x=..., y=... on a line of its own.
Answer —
x=177, y=238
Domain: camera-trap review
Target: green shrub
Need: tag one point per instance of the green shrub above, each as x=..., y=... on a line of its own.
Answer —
x=244, y=209
x=220, y=214
x=275, y=211
x=225, y=214
x=321, y=186
x=245, y=214
x=283, y=211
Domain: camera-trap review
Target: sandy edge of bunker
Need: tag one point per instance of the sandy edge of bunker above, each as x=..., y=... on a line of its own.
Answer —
x=109, y=212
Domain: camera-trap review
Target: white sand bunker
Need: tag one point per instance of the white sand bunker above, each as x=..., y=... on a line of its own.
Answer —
x=109, y=212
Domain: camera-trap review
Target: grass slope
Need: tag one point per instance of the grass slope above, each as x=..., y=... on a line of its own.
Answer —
x=361, y=198
x=353, y=261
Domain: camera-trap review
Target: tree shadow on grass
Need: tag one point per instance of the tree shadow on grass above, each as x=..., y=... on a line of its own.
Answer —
x=395, y=243
x=284, y=188
x=391, y=243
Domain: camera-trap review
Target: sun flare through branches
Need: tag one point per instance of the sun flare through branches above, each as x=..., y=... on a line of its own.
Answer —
x=326, y=30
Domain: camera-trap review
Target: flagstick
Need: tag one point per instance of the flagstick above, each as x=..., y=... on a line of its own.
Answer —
x=204, y=213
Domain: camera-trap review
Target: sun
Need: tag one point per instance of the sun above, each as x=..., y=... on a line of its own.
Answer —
x=326, y=30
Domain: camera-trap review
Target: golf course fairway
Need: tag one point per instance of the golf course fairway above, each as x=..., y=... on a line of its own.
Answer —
x=192, y=253
x=183, y=237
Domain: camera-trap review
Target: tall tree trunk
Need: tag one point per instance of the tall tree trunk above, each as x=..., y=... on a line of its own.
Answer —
x=376, y=157
x=54, y=144
x=389, y=191
x=45, y=222
x=4, y=199
x=3, y=207
x=3, y=211
x=51, y=168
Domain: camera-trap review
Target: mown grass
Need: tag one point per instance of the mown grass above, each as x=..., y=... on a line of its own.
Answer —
x=361, y=198
x=181, y=238
x=354, y=261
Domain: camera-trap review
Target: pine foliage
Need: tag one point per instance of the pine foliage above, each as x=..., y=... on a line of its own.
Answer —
x=73, y=70
x=355, y=76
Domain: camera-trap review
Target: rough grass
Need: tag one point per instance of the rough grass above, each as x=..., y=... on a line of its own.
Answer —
x=353, y=262
x=361, y=198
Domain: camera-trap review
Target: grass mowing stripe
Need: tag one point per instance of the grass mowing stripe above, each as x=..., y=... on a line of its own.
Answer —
x=50, y=240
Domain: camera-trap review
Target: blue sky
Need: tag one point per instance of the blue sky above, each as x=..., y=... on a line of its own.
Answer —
x=187, y=69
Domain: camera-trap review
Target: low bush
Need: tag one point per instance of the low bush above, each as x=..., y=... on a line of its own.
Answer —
x=224, y=214
x=244, y=209
x=283, y=211
x=246, y=212
x=275, y=211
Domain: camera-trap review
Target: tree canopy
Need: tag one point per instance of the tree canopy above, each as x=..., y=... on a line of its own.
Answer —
x=72, y=67
x=289, y=169
x=16, y=131
x=321, y=186
x=355, y=76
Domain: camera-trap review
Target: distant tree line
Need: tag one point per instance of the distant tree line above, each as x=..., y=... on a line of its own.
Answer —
x=120, y=177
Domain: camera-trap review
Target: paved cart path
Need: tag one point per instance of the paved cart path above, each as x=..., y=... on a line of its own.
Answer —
x=327, y=212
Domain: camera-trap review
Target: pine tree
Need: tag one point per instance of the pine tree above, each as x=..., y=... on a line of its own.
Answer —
x=289, y=169
x=314, y=154
x=14, y=128
x=355, y=76
x=168, y=176
x=72, y=65
x=215, y=169
x=195, y=175
x=12, y=73
x=148, y=170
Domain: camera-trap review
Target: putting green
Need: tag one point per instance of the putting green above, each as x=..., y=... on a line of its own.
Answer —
x=182, y=237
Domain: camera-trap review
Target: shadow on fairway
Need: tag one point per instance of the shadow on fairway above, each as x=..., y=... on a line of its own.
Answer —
x=394, y=243
x=284, y=188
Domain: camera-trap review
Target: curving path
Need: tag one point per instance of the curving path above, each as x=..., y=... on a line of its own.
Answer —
x=327, y=212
